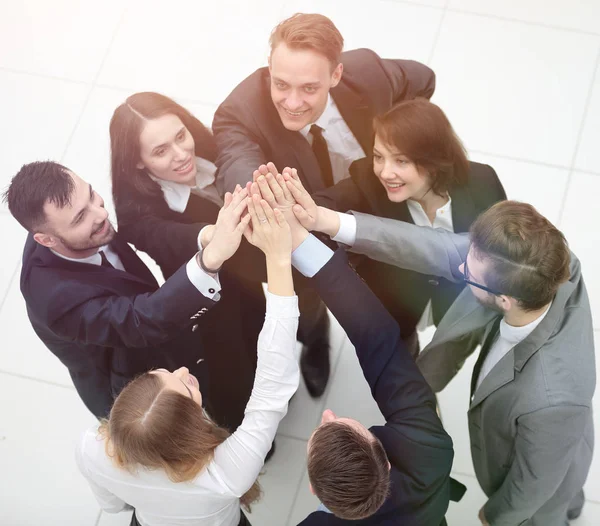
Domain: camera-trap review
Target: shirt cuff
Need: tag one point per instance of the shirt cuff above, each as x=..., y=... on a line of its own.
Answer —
x=205, y=283
x=311, y=256
x=200, y=247
x=347, y=232
x=281, y=306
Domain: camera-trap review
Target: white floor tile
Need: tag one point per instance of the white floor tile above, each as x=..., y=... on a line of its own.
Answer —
x=588, y=154
x=304, y=412
x=40, y=482
x=589, y=516
x=199, y=51
x=580, y=15
x=542, y=186
x=62, y=38
x=21, y=351
x=279, y=482
x=38, y=116
x=14, y=236
x=305, y=503
x=464, y=513
x=513, y=89
x=115, y=519
x=582, y=232
x=454, y=404
x=398, y=30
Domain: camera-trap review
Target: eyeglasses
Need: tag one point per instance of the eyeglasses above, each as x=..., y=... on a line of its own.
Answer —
x=482, y=287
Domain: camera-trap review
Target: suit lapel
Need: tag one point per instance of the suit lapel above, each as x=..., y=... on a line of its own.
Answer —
x=134, y=266
x=357, y=114
x=501, y=374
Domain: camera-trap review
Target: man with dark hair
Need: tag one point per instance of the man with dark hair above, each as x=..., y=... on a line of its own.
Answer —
x=312, y=109
x=530, y=410
x=94, y=303
x=397, y=473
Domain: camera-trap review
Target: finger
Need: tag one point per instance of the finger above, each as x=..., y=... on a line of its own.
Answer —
x=268, y=212
x=243, y=225
x=287, y=195
x=279, y=217
x=287, y=170
x=227, y=199
x=263, y=169
x=295, y=174
x=254, y=189
x=275, y=188
x=265, y=189
x=241, y=207
x=252, y=211
x=260, y=215
x=299, y=193
x=301, y=215
x=296, y=193
x=238, y=198
x=272, y=169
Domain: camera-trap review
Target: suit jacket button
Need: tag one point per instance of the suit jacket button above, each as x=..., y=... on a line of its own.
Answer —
x=211, y=291
x=433, y=282
x=195, y=327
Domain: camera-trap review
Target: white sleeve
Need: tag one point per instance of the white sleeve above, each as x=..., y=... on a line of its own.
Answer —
x=239, y=460
x=206, y=284
x=347, y=232
x=107, y=501
x=311, y=256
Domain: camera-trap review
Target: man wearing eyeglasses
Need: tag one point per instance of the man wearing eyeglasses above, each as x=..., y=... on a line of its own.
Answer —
x=530, y=406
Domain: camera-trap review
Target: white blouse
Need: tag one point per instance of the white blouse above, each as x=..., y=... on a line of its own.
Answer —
x=212, y=498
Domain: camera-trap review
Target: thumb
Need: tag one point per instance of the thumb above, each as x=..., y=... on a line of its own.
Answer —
x=302, y=216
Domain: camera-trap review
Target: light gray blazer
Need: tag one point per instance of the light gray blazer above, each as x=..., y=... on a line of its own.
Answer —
x=530, y=421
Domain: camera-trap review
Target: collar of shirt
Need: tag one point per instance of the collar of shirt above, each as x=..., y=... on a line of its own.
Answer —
x=515, y=335
x=177, y=195
x=94, y=259
x=443, y=215
x=330, y=114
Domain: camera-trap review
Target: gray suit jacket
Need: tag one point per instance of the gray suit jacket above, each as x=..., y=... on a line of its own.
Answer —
x=530, y=421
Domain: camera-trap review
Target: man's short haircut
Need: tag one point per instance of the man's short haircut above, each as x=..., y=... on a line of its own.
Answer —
x=34, y=185
x=529, y=256
x=310, y=31
x=348, y=471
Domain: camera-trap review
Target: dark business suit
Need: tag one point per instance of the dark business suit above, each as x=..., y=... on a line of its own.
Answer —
x=404, y=293
x=249, y=132
x=108, y=325
x=230, y=330
x=418, y=448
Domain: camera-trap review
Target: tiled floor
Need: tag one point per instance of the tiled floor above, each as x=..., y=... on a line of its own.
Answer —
x=518, y=78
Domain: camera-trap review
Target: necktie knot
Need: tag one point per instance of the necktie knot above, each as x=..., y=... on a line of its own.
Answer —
x=316, y=130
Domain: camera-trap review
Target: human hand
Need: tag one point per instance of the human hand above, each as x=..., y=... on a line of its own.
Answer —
x=309, y=215
x=482, y=518
x=269, y=230
x=228, y=230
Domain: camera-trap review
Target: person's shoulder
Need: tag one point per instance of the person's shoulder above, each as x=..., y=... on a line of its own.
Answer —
x=358, y=58
x=481, y=172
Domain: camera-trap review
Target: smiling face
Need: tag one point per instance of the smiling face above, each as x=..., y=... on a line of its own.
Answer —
x=167, y=150
x=400, y=177
x=300, y=84
x=78, y=229
x=181, y=381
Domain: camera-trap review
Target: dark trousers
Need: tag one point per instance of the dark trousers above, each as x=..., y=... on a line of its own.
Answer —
x=243, y=520
x=313, y=324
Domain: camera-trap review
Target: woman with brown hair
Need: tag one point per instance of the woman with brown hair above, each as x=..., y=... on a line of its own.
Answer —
x=160, y=454
x=419, y=173
x=166, y=203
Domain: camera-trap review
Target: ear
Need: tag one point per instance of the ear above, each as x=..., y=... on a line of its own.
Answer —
x=311, y=488
x=328, y=416
x=140, y=165
x=506, y=303
x=336, y=76
x=45, y=240
x=389, y=466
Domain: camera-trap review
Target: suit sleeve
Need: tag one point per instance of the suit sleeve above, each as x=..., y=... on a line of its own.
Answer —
x=545, y=445
x=408, y=79
x=239, y=151
x=170, y=243
x=403, y=396
x=342, y=197
x=421, y=249
x=93, y=317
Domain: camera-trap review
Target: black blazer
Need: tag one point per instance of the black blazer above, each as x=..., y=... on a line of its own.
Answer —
x=249, y=132
x=406, y=293
x=418, y=448
x=108, y=325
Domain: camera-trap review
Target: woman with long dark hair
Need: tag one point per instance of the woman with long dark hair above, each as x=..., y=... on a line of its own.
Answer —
x=161, y=455
x=166, y=203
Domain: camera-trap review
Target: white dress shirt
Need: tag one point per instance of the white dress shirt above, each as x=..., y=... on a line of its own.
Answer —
x=508, y=337
x=212, y=498
x=343, y=147
x=207, y=284
x=443, y=219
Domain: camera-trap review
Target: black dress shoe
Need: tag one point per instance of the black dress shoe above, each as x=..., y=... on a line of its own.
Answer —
x=574, y=513
x=314, y=364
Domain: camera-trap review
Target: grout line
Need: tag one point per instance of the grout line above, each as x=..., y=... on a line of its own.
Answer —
x=525, y=22
x=291, y=437
x=39, y=380
x=586, y=108
x=43, y=75
x=94, y=81
x=517, y=159
x=9, y=285
x=460, y=473
x=98, y=518
x=437, y=34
